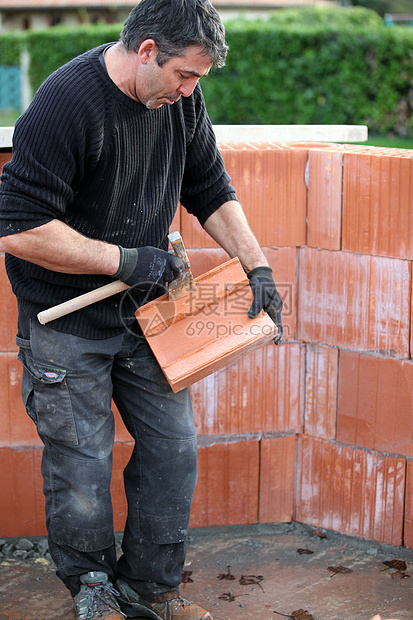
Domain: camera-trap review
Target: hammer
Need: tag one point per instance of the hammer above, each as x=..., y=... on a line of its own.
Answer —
x=177, y=288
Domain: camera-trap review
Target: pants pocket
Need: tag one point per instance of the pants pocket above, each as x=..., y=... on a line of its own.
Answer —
x=46, y=397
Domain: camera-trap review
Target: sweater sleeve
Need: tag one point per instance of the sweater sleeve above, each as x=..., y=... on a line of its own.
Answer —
x=206, y=184
x=48, y=157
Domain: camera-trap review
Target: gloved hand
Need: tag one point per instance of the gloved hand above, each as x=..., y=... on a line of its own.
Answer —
x=147, y=267
x=266, y=297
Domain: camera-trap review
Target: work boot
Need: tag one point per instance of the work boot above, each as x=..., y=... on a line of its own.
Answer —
x=97, y=598
x=174, y=608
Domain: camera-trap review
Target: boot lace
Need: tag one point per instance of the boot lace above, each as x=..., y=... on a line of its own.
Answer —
x=101, y=597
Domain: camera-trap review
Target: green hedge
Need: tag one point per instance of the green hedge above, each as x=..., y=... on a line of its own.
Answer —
x=315, y=74
x=51, y=48
x=10, y=47
x=317, y=65
x=329, y=17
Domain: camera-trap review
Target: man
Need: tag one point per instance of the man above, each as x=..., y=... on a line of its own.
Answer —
x=110, y=144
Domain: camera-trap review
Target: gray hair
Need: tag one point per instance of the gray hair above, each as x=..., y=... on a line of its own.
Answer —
x=175, y=25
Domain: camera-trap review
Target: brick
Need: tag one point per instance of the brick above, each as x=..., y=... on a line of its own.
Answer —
x=283, y=392
x=227, y=487
x=201, y=332
x=375, y=403
x=324, y=199
x=310, y=146
x=205, y=259
x=270, y=184
x=16, y=428
x=121, y=432
x=408, y=519
x=356, y=492
x=377, y=200
x=22, y=511
x=321, y=391
x=8, y=310
x=4, y=157
x=354, y=301
x=261, y=393
x=390, y=281
x=277, y=467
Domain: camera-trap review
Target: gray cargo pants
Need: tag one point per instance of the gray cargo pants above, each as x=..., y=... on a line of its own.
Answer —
x=67, y=387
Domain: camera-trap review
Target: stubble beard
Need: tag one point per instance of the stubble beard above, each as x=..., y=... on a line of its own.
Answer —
x=154, y=104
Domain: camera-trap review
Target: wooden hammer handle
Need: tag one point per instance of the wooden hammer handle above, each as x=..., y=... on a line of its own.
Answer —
x=104, y=291
x=82, y=301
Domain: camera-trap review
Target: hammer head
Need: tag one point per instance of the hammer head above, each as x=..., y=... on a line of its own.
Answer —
x=185, y=284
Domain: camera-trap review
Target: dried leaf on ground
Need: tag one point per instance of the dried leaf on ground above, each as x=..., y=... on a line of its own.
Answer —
x=247, y=580
x=302, y=614
x=400, y=575
x=339, y=569
x=398, y=564
x=304, y=551
x=186, y=577
x=230, y=596
x=299, y=614
x=227, y=575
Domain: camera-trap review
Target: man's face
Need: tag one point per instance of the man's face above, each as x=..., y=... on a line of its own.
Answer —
x=177, y=77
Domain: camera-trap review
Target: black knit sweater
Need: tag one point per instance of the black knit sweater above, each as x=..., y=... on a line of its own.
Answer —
x=113, y=170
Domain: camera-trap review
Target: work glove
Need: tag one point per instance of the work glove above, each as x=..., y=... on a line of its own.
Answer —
x=266, y=297
x=147, y=267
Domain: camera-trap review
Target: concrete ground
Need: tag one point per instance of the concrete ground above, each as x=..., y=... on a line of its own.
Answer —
x=251, y=572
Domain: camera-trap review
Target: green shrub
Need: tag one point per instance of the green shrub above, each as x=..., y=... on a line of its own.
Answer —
x=10, y=46
x=327, y=17
x=304, y=72
x=51, y=48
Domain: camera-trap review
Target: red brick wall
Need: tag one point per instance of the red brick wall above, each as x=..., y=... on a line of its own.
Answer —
x=319, y=429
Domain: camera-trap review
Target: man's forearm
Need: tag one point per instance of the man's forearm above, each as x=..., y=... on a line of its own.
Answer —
x=228, y=226
x=58, y=247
